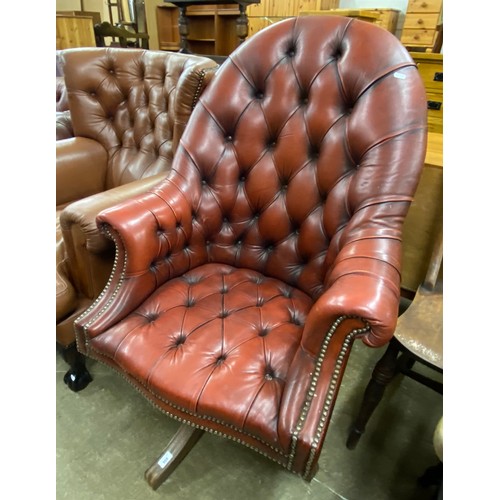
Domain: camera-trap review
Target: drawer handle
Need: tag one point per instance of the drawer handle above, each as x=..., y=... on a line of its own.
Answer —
x=420, y=21
x=435, y=105
x=438, y=76
x=423, y=4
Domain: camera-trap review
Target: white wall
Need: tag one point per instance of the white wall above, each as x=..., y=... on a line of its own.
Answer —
x=67, y=4
x=88, y=5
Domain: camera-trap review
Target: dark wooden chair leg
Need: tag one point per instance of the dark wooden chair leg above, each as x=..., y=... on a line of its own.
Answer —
x=77, y=377
x=178, y=447
x=385, y=370
x=432, y=476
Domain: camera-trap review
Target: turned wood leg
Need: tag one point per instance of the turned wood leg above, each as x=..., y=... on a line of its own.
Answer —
x=183, y=30
x=178, y=447
x=242, y=25
x=77, y=377
x=383, y=373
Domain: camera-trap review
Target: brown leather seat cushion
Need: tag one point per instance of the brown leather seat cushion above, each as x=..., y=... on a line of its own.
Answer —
x=201, y=330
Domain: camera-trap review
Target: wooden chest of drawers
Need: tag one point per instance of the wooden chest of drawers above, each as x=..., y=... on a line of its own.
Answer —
x=421, y=21
x=430, y=67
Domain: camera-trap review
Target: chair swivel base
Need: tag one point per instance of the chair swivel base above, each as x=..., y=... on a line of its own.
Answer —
x=178, y=447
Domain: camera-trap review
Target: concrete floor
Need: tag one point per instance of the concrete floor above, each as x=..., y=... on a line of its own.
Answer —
x=108, y=435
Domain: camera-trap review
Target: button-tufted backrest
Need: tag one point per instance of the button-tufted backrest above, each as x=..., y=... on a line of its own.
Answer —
x=303, y=144
x=135, y=102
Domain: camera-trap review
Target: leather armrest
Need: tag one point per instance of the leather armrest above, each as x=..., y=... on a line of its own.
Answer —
x=80, y=169
x=364, y=282
x=89, y=251
x=361, y=301
x=151, y=232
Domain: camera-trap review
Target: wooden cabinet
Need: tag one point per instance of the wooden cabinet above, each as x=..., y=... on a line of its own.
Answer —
x=385, y=18
x=212, y=29
x=420, y=29
x=430, y=67
x=74, y=31
x=167, y=22
x=207, y=28
x=268, y=12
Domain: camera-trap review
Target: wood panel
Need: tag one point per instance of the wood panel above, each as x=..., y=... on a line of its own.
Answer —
x=418, y=38
x=167, y=21
x=424, y=216
x=422, y=21
x=268, y=12
x=278, y=8
x=73, y=31
x=424, y=5
x=430, y=67
x=385, y=18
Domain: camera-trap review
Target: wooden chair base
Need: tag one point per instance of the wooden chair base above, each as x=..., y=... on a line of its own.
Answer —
x=179, y=446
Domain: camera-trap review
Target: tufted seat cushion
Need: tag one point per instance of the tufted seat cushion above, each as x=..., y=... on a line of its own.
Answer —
x=202, y=329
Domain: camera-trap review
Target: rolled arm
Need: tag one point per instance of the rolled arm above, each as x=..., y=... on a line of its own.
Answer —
x=150, y=232
x=80, y=169
x=363, y=282
x=90, y=253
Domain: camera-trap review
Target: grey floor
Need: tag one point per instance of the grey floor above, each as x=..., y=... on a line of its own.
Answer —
x=108, y=435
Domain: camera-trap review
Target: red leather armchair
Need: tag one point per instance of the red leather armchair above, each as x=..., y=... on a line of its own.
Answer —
x=241, y=281
x=128, y=110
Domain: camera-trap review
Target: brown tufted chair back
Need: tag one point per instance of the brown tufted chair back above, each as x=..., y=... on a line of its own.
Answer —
x=127, y=111
x=134, y=102
x=241, y=281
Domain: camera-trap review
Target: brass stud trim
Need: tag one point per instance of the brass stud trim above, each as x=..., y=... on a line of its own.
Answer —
x=104, y=291
x=311, y=393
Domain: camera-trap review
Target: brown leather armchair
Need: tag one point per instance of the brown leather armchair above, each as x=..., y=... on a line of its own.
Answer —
x=241, y=281
x=128, y=110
